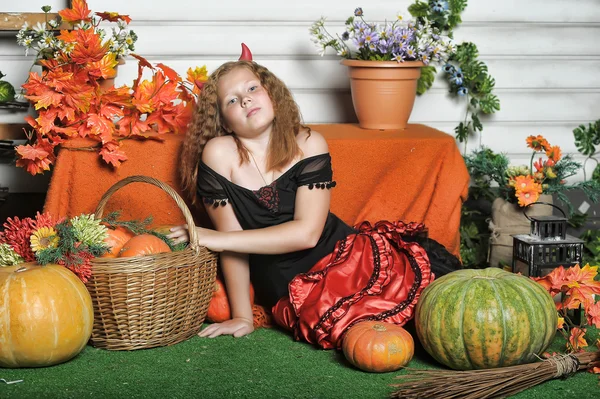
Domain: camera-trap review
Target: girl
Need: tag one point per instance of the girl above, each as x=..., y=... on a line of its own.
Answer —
x=266, y=182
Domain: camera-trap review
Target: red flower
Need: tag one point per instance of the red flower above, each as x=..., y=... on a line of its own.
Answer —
x=16, y=234
x=78, y=263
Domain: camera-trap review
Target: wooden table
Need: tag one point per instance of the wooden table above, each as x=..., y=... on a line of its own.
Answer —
x=416, y=174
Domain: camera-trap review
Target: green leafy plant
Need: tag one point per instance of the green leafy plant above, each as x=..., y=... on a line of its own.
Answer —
x=487, y=170
x=591, y=246
x=586, y=140
x=466, y=75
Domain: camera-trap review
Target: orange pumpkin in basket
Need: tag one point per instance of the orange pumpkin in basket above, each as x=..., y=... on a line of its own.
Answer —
x=378, y=347
x=115, y=240
x=144, y=244
x=218, y=309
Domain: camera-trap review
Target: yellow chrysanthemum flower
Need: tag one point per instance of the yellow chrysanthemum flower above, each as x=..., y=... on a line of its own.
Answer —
x=43, y=238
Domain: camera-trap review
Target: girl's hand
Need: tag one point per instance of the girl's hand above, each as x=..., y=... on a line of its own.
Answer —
x=179, y=234
x=210, y=239
x=238, y=327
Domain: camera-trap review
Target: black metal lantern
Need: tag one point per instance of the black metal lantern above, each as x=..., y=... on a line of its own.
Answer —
x=546, y=247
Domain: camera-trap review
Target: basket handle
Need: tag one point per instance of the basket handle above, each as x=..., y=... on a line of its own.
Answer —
x=165, y=187
x=541, y=203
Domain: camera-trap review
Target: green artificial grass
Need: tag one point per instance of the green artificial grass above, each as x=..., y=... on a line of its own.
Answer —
x=266, y=364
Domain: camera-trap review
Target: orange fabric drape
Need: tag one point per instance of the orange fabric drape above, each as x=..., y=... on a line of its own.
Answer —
x=414, y=175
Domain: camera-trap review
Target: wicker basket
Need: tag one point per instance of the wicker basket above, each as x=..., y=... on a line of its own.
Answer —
x=151, y=300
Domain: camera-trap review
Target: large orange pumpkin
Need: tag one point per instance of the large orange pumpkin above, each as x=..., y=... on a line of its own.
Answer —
x=115, y=240
x=46, y=315
x=144, y=244
x=377, y=346
x=218, y=309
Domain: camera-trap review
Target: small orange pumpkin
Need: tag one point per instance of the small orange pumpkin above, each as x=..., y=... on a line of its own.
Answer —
x=218, y=309
x=115, y=240
x=46, y=314
x=144, y=244
x=378, y=347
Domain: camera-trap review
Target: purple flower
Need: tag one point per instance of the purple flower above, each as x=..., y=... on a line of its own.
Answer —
x=358, y=12
x=398, y=57
x=462, y=91
x=411, y=53
x=345, y=36
x=382, y=46
x=371, y=37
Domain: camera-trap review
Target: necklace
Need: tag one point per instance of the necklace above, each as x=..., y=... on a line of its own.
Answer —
x=256, y=164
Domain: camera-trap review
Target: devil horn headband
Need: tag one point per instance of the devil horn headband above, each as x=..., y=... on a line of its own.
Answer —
x=246, y=54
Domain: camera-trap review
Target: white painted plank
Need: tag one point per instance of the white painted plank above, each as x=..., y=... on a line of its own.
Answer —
x=329, y=73
x=309, y=10
x=329, y=106
x=511, y=137
x=291, y=40
x=326, y=73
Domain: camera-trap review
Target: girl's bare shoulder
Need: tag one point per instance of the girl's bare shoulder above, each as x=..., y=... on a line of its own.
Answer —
x=220, y=154
x=312, y=143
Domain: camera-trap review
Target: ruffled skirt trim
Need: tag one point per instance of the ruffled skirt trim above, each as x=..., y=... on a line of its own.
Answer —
x=371, y=275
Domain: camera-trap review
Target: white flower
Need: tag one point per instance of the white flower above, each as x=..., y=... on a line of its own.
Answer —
x=39, y=28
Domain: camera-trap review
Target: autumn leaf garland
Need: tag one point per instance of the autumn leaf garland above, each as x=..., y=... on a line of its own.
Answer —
x=72, y=101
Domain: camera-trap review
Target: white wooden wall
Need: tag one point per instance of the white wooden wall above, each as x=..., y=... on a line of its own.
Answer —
x=544, y=55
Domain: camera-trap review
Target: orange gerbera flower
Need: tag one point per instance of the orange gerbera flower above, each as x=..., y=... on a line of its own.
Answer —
x=524, y=183
x=527, y=197
x=537, y=143
x=554, y=153
x=527, y=190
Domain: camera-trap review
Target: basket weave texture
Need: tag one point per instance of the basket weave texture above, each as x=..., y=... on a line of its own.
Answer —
x=151, y=300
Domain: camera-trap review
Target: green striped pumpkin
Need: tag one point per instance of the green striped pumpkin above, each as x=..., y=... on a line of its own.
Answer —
x=485, y=318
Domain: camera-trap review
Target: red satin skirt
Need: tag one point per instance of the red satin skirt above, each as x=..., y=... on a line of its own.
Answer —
x=371, y=275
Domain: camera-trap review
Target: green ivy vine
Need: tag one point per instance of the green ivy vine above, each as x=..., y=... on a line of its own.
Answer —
x=466, y=75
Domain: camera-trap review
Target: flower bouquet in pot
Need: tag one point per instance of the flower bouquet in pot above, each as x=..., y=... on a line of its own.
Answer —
x=73, y=100
x=523, y=185
x=384, y=62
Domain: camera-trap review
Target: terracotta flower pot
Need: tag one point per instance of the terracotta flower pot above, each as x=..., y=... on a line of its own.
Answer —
x=383, y=92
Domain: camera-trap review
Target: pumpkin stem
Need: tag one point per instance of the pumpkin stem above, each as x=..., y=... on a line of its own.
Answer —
x=379, y=327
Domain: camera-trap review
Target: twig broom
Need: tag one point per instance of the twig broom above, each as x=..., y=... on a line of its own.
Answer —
x=491, y=383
